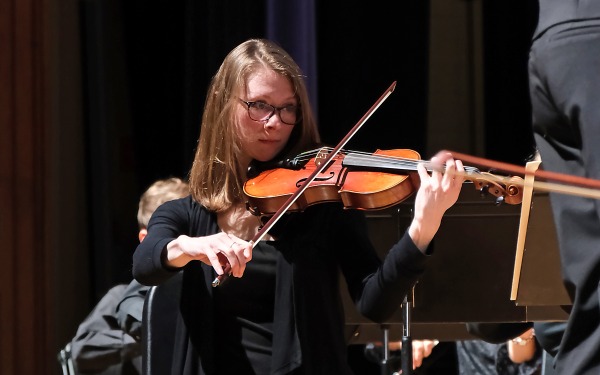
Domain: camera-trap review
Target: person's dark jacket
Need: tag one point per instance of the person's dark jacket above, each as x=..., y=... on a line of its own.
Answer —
x=100, y=346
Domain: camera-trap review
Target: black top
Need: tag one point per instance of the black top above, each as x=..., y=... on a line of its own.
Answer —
x=308, y=319
x=246, y=315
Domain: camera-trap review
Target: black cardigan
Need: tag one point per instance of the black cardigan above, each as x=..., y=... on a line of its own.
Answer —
x=308, y=331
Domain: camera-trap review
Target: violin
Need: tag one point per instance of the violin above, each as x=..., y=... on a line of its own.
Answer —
x=364, y=181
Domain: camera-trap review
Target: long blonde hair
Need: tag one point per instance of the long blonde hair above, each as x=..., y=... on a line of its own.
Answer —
x=216, y=177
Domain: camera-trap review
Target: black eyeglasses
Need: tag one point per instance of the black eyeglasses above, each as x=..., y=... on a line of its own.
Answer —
x=261, y=111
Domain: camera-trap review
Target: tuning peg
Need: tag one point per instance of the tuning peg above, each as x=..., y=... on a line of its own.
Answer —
x=499, y=200
x=484, y=190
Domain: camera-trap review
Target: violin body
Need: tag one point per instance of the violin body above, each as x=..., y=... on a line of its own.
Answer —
x=357, y=189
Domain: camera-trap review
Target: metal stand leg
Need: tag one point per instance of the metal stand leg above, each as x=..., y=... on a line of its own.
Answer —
x=385, y=360
x=386, y=363
x=406, y=354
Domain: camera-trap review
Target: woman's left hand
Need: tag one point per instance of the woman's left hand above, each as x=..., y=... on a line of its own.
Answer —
x=436, y=194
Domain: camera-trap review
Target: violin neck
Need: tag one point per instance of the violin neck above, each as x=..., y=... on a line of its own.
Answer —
x=390, y=164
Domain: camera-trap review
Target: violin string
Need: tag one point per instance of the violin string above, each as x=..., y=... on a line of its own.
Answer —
x=404, y=163
x=397, y=162
x=307, y=155
x=392, y=160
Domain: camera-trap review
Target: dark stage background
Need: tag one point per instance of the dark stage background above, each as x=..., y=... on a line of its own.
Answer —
x=102, y=97
x=147, y=65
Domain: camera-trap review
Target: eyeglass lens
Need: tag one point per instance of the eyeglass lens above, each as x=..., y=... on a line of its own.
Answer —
x=260, y=111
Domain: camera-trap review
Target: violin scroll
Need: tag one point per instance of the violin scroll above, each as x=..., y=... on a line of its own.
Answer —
x=505, y=189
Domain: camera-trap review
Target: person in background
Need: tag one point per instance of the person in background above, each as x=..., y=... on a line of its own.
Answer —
x=129, y=310
x=519, y=356
x=520, y=338
x=564, y=82
x=108, y=340
x=429, y=357
x=280, y=309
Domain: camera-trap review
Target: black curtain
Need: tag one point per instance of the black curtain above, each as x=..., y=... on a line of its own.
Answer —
x=508, y=28
x=364, y=50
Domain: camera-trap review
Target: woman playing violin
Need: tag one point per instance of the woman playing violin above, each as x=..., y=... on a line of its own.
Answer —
x=280, y=311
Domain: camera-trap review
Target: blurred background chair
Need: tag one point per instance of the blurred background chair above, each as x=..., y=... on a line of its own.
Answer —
x=161, y=309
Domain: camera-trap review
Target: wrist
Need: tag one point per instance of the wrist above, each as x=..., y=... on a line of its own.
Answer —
x=421, y=233
x=173, y=256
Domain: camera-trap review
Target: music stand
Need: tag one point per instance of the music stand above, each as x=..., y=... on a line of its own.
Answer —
x=468, y=278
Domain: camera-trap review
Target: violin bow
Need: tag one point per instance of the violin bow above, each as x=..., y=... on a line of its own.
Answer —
x=320, y=167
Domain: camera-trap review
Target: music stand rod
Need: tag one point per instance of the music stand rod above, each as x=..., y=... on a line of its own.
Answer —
x=385, y=362
x=406, y=353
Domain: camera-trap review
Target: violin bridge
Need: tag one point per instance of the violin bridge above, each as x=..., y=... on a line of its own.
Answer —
x=321, y=156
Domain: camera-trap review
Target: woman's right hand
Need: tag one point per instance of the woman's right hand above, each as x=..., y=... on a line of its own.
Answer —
x=215, y=250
